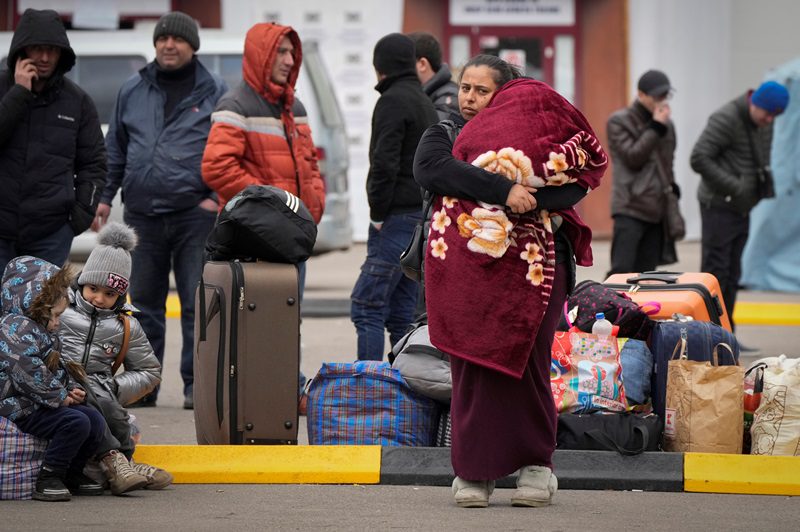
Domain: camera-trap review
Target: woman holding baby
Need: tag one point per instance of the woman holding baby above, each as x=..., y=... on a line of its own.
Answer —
x=500, y=261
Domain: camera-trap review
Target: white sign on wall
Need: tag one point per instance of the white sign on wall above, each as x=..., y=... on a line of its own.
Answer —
x=512, y=12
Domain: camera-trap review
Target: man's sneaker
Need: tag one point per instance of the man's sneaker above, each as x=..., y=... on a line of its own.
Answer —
x=188, y=401
x=470, y=494
x=121, y=476
x=50, y=486
x=80, y=484
x=536, y=486
x=157, y=479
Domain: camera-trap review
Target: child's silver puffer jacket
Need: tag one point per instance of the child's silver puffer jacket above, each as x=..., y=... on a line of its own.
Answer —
x=93, y=337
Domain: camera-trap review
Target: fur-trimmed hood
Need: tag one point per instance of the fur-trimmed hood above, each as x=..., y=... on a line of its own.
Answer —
x=30, y=373
x=32, y=286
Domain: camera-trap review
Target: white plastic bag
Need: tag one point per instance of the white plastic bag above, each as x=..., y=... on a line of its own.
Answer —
x=776, y=427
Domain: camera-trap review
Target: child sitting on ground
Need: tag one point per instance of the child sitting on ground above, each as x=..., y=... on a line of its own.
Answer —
x=93, y=333
x=36, y=391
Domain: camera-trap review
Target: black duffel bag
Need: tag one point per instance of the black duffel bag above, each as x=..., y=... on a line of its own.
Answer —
x=265, y=223
x=626, y=433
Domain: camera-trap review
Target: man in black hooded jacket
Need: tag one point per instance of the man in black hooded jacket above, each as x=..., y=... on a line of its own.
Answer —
x=383, y=298
x=52, y=155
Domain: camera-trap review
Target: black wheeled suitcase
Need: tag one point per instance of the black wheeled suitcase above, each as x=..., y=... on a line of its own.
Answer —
x=247, y=353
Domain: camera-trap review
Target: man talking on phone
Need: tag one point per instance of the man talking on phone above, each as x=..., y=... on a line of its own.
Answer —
x=641, y=140
x=52, y=155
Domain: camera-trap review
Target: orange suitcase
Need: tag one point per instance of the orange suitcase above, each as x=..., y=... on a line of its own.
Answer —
x=692, y=294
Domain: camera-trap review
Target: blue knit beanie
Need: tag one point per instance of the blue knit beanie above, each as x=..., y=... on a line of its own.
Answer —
x=771, y=97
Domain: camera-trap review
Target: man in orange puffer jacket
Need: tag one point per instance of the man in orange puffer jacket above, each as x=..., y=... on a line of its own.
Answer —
x=260, y=133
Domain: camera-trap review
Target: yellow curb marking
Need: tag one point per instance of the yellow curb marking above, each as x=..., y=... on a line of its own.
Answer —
x=265, y=464
x=746, y=312
x=752, y=313
x=748, y=474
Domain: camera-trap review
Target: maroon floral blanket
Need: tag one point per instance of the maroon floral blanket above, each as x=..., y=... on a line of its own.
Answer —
x=489, y=272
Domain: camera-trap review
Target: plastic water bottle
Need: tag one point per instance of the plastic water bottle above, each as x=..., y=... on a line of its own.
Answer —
x=601, y=327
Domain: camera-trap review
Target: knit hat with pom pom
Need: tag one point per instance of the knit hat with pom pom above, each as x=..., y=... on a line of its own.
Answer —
x=109, y=264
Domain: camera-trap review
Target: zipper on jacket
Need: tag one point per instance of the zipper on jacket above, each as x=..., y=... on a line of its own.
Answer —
x=87, y=348
x=294, y=161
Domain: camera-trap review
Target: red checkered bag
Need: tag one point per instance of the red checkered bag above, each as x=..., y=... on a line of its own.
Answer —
x=21, y=457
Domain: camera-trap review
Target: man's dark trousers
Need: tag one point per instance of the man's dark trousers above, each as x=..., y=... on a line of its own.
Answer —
x=724, y=236
x=168, y=241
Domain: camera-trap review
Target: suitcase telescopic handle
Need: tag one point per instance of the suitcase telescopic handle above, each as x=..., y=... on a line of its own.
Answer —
x=663, y=277
x=202, y=295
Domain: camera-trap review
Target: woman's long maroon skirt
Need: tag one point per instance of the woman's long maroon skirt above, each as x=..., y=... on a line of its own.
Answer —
x=499, y=423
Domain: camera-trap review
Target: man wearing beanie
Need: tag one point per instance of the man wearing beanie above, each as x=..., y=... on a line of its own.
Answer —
x=155, y=144
x=732, y=157
x=383, y=298
x=52, y=157
x=641, y=140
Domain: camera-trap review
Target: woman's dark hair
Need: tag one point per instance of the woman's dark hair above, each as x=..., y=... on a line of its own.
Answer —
x=503, y=71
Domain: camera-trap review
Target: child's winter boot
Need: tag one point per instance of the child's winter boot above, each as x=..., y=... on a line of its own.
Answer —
x=157, y=479
x=80, y=484
x=121, y=476
x=50, y=485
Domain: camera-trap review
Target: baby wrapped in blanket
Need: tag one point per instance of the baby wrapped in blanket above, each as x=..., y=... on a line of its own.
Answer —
x=489, y=272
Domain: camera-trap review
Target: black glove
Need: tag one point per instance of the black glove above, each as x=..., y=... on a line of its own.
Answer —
x=80, y=219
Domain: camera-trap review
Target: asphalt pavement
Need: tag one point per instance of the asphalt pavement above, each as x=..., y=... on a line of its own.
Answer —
x=212, y=508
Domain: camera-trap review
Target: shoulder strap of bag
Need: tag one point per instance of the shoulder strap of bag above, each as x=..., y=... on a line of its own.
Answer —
x=715, y=354
x=126, y=341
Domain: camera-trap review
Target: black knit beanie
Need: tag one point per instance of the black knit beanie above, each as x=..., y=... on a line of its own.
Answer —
x=394, y=54
x=179, y=25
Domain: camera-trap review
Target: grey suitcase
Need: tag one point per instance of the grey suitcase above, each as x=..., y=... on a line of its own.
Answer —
x=247, y=354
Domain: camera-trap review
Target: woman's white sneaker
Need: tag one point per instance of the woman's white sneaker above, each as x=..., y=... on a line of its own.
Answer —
x=470, y=494
x=536, y=486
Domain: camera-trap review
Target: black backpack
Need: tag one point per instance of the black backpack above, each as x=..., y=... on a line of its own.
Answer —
x=263, y=222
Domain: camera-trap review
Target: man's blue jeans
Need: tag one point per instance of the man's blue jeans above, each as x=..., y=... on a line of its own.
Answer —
x=53, y=248
x=384, y=298
x=174, y=241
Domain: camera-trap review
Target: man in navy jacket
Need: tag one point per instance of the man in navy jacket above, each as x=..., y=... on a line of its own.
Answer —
x=155, y=146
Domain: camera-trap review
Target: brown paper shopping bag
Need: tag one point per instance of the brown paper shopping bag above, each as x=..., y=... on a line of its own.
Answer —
x=704, y=404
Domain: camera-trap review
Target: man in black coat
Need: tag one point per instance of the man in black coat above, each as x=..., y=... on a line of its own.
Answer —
x=383, y=298
x=732, y=157
x=641, y=140
x=52, y=155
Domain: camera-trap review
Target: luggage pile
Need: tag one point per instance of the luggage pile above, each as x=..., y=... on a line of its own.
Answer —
x=682, y=386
